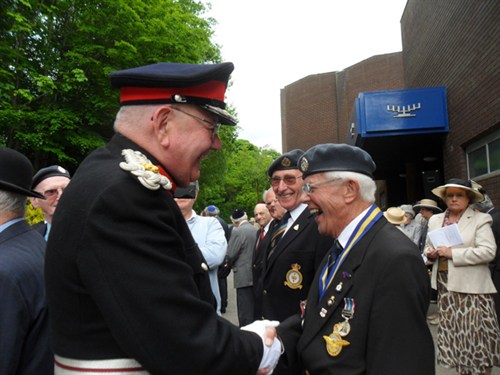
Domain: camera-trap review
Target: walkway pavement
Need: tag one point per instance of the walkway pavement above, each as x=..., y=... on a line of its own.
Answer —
x=232, y=315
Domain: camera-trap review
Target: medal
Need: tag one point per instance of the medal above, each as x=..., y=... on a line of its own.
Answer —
x=338, y=288
x=322, y=313
x=334, y=344
x=342, y=328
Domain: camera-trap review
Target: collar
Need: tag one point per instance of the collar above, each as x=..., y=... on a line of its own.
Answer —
x=347, y=232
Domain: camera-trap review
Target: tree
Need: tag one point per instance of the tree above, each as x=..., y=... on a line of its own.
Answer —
x=56, y=101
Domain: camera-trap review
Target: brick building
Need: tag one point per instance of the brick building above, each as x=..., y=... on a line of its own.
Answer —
x=448, y=43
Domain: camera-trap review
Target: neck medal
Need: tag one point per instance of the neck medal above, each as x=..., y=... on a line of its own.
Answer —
x=335, y=341
x=147, y=173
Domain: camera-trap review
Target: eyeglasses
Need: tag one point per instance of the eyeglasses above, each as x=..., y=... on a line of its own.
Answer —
x=309, y=188
x=268, y=204
x=287, y=179
x=214, y=126
x=51, y=193
x=458, y=195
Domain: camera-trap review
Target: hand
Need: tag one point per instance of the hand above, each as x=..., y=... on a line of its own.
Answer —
x=272, y=345
x=444, y=251
x=431, y=253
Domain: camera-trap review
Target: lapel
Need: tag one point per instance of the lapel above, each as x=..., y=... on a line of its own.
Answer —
x=297, y=227
x=342, y=283
x=466, y=220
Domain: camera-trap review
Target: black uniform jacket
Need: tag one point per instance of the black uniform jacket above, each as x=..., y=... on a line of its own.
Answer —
x=123, y=277
x=385, y=276
x=289, y=271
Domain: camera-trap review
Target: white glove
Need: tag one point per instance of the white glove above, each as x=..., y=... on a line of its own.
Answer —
x=273, y=352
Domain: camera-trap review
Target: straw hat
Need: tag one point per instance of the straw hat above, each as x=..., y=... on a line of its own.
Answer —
x=395, y=215
x=427, y=203
x=440, y=191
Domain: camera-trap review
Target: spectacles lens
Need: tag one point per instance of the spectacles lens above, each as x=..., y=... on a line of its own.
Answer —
x=50, y=193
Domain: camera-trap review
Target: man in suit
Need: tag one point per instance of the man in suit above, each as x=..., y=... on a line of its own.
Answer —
x=276, y=212
x=291, y=261
x=24, y=324
x=50, y=182
x=240, y=253
x=366, y=309
x=127, y=285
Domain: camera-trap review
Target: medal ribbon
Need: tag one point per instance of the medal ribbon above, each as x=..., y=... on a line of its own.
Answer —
x=349, y=307
x=361, y=229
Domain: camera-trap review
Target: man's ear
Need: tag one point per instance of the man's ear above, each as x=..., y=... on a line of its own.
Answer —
x=160, y=120
x=352, y=190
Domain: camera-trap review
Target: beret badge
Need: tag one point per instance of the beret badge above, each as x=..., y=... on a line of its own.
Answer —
x=304, y=165
x=286, y=162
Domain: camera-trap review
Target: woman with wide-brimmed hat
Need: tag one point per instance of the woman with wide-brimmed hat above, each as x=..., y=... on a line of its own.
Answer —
x=468, y=336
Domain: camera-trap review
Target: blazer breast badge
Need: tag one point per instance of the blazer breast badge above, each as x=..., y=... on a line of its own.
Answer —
x=294, y=277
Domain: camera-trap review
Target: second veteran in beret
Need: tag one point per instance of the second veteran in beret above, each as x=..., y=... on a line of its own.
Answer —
x=127, y=285
x=366, y=309
x=294, y=249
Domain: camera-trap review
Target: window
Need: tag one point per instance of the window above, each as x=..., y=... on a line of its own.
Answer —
x=483, y=156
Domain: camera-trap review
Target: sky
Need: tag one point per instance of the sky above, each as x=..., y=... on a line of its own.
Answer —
x=274, y=43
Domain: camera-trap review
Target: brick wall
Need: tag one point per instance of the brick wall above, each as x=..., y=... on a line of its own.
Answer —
x=454, y=43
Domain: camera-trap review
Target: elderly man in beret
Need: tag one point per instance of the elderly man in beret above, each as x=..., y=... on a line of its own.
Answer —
x=24, y=323
x=295, y=248
x=50, y=182
x=127, y=285
x=366, y=309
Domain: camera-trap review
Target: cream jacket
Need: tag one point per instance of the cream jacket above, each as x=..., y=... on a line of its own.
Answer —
x=468, y=270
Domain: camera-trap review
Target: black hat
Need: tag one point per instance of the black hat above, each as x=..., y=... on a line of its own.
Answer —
x=336, y=157
x=15, y=173
x=44, y=173
x=237, y=214
x=286, y=161
x=203, y=85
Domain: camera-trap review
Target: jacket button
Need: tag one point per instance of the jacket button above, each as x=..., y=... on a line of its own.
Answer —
x=264, y=292
x=204, y=267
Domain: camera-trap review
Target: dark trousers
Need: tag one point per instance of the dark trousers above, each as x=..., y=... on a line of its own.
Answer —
x=223, y=294
x=244, y=302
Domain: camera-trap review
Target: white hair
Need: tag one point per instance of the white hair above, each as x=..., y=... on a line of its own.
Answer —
x=367, y=186
x=134, y=115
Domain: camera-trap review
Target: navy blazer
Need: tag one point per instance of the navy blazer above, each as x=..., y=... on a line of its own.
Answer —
x=24, y=325
x=389, y=283
x=288, y=273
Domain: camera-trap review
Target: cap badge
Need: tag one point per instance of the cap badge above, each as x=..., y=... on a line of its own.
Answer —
x=294, y=277
x=147, y=173
x=304, y=165
x=286, y=162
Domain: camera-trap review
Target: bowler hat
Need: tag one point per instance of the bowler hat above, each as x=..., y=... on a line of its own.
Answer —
x=284, y=162
x=15, y=173
x=203, y=85
x=51, y=171
x=440, y=191
x=336, y=157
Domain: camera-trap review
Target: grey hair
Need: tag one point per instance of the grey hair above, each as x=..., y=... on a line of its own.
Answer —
x=367, y=186
x=134, y=115
x=265, y=193
x=12, y=203
x=240, y=219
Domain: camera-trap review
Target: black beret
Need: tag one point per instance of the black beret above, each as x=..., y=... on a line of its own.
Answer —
x=237, y=214
x=16, y=171
x=203, y=85
x=286, y=161
x=336, y=157
x=44, y=173
x=188, y=192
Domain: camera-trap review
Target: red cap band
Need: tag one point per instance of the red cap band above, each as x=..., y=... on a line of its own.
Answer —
x=210, y=90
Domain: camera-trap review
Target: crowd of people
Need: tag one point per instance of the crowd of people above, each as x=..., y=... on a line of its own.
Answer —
x=125, y=277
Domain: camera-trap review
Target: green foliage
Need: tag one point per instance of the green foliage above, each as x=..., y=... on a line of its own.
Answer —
x=33, y=215
x=56, y=104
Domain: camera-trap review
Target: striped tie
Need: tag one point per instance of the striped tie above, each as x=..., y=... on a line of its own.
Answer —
x=335, y=250
x=279, y=230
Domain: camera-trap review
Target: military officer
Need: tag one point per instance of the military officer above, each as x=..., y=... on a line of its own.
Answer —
x=127, y=285
x=366, y=309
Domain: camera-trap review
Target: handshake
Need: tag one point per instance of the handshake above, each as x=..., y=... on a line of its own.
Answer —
x=273, y=348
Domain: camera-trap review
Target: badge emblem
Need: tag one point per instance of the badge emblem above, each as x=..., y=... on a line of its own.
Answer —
x=334, y=343
x=286, y=162
x=294, y=277
x=342, y=328
x=147, y=173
